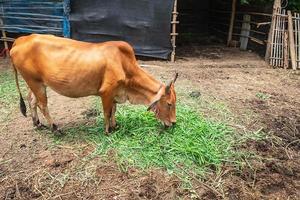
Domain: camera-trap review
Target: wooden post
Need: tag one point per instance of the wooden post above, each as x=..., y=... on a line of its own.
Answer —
x=174, y=34
x=276, y=6
x=285, y=51
x=292, y=40
x=4, y=38
x=297, y=38
x=245, y=32
x=230, y=31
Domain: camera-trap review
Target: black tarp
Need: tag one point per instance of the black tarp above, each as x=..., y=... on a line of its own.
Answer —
x=145, y=24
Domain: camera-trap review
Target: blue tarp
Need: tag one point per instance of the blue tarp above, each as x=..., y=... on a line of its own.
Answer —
x=36, y=16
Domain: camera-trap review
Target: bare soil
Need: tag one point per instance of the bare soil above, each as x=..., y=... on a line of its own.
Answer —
x=32, y=166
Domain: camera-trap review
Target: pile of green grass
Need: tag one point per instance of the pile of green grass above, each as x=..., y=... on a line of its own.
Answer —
x=194, y=144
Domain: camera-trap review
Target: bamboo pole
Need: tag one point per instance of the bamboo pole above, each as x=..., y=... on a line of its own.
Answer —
x=284, y=39
x=295, y=36
x=174, y=34
x=277, y=4
x=275, y=40
x=292, y=40
x=281, y=37
x=230, y=31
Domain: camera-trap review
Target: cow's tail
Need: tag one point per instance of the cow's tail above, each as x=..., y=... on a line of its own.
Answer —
x=22, y=103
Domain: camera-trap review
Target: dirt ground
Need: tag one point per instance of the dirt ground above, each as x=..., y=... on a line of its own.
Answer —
x=32, y=166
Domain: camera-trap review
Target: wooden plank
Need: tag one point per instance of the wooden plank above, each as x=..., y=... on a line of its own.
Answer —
x=239, y=28
x=277, y=4
x=258, y=41
x=5, y=41
x=296, y=37
x=291, y=40
x=233, y=12
x=286, y=51
x=242, y=13
x=297, y=20
x=245, y=32
x=258, y=24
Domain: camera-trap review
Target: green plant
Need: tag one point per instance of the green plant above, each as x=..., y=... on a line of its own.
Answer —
x=262, y=96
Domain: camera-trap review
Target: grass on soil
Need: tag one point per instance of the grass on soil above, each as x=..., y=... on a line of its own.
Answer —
x=8, y=94
x=194, y=146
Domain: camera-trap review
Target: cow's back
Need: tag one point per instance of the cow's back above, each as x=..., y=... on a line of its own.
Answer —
x=70, y=67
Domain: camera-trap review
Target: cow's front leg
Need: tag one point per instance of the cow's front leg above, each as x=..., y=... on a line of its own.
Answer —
x=113, y=122
x=107, y=104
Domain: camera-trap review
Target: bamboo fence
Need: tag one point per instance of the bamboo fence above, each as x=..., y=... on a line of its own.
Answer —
x=285, y=40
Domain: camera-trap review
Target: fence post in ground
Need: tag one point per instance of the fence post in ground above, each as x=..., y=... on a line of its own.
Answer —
x=230, y=31
x=245, y=32
x=292, y=40
x=4, y=39
x=174, y=34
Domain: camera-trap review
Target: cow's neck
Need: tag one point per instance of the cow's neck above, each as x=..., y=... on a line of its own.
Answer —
x=143, y=88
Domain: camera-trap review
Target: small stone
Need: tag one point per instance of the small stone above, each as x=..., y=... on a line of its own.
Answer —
x=195, y=94
x=23, y=146
x=50, y=161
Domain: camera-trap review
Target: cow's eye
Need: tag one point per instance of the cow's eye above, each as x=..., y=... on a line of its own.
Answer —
x=169, y=104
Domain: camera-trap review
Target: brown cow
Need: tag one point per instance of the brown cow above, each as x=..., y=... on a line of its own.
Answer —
x=78, y=69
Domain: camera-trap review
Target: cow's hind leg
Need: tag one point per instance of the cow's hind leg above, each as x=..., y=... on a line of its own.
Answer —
x=32, y=102
x=39, y=91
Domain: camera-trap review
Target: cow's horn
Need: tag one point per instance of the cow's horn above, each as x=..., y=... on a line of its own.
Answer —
x=173, y=81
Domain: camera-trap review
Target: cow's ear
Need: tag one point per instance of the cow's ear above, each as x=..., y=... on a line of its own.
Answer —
x=175, y=78
x=152, y=106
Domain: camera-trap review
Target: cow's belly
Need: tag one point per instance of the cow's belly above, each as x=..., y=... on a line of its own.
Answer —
x=74, y=86
x=74, y=93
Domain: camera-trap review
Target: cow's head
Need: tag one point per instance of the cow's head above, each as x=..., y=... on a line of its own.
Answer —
x=164, y=105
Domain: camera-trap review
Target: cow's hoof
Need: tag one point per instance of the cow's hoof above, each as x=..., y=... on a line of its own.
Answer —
x=115, y=127
x=36, y=123
x=109, y=131
x=55, y=130
x=41, y=126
